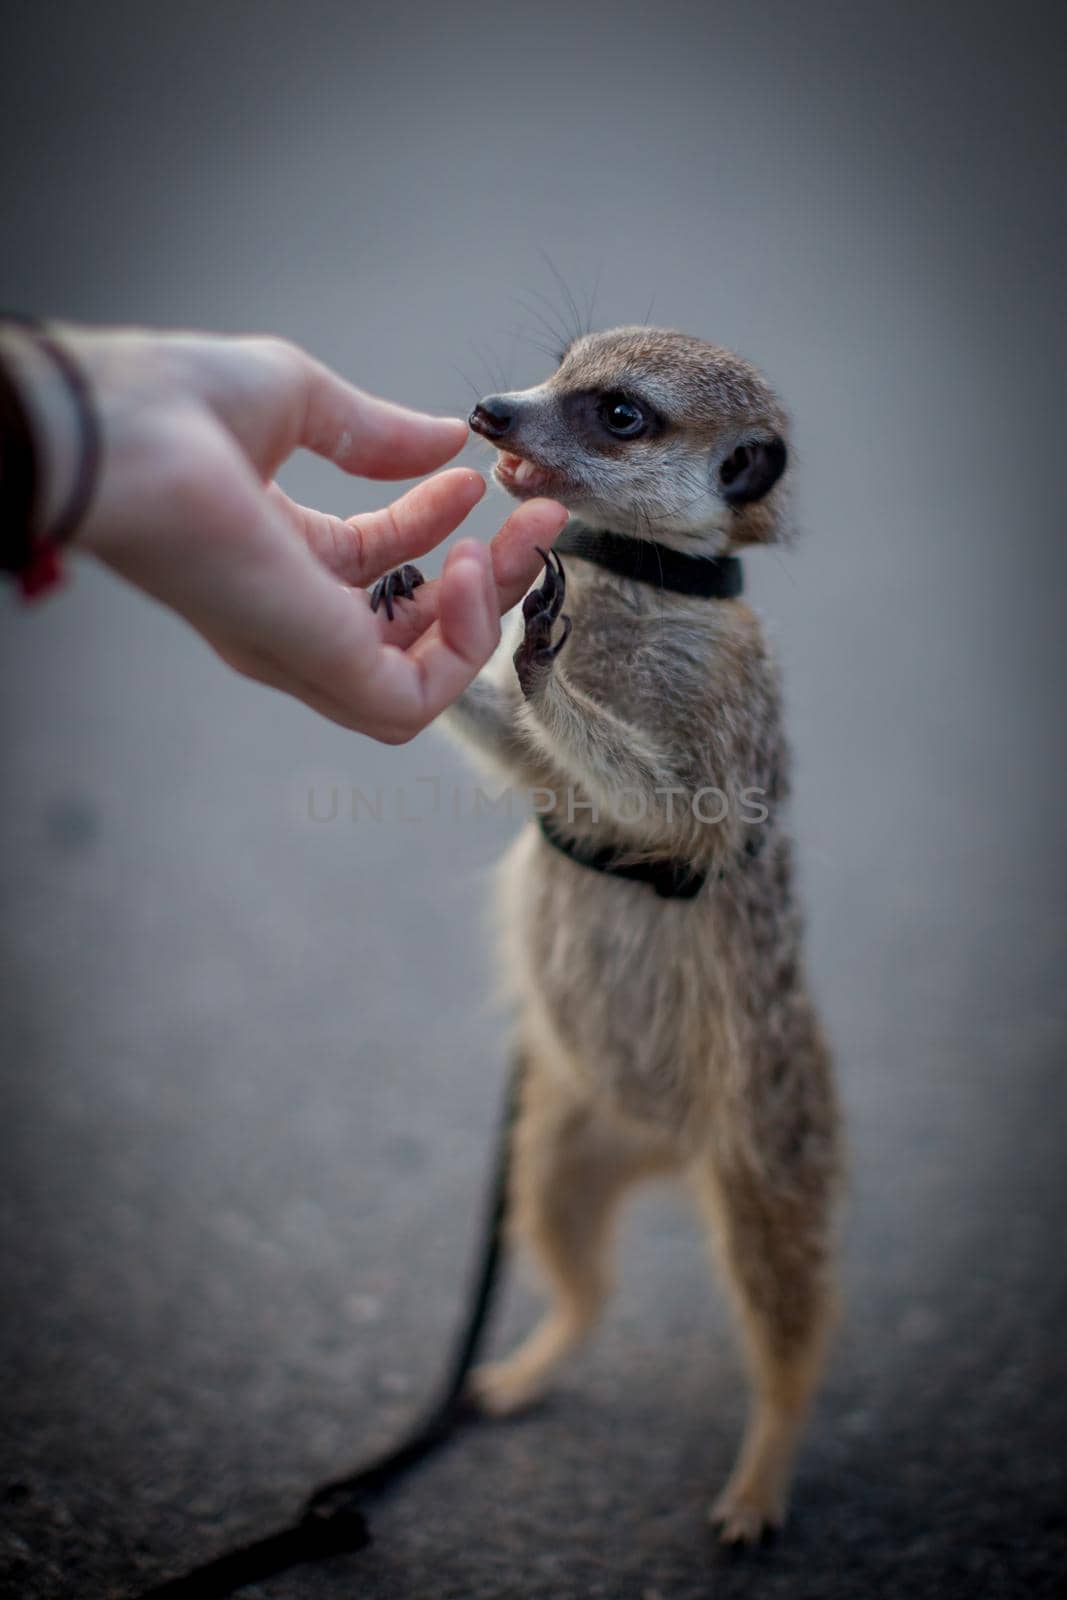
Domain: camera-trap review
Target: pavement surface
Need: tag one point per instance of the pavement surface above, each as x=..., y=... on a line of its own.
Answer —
x=252, y=1065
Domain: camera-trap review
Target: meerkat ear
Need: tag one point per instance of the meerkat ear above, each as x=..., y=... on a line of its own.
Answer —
x=752, y=470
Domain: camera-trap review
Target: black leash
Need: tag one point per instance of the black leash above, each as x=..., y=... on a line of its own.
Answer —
x=332, y=1521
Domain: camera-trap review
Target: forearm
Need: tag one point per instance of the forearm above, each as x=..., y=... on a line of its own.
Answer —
x=617, y=763
x=487, y=717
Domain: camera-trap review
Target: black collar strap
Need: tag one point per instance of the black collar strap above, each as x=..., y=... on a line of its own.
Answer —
x=709, y=577
x=672, y=880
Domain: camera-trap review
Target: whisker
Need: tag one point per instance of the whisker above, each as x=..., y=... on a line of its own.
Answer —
x=467, y=380
x=496, y=376
x=592, y=298
x=565, y=289
x=781, y=562
x=551, y=351
x=559, y=340
x=478, y=353
x=563, y=332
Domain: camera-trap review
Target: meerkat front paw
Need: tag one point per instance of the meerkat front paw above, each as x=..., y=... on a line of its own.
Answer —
x=745, y=1515
x=535, y=655
x=400, y=584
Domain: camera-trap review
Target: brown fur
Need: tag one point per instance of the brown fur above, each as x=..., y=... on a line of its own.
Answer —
x=663, y=1036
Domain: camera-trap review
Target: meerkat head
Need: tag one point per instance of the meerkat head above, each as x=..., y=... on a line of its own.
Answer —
x=650, y=433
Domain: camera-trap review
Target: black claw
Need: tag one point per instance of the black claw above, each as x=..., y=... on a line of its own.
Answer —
x=549, y=597
x=540, y=610
x=399, y=584
x=562, y=640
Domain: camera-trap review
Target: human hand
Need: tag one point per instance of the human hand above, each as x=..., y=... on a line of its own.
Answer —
x=194, y=429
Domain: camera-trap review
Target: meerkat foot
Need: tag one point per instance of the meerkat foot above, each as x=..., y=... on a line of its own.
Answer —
x=535, y=655
x=745, y=1514
x=400, y=584
x=505, y=1388
x=501, y=1388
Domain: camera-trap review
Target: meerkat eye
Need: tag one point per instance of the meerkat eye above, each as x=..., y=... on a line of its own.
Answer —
x=622, y=416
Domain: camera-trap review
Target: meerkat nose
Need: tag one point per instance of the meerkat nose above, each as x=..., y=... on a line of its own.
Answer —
x=491, y=417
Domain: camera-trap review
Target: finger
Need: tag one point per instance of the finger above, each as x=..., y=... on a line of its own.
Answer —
x=514, y=554
x=372, y=437
x=323, y=647
x=273, y=397
x=362, y=548
x=515, y=566
x=412, y=687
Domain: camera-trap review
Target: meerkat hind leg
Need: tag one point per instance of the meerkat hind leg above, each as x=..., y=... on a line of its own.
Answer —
x=571, y=1165
x=773, y=1244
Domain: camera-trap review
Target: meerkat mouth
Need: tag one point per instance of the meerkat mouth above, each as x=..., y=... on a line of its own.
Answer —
x=520, y=476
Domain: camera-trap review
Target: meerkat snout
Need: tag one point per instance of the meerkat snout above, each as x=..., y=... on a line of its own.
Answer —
x=652, y=433
x=491, y=417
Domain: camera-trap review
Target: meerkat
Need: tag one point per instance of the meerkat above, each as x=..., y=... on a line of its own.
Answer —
x=648, y=917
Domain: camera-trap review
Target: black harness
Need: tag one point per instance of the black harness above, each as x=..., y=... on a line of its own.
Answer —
x=672, y=880
x=704, y=577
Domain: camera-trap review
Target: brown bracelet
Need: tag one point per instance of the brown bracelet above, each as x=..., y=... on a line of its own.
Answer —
x=18, y=477
x=32, y=556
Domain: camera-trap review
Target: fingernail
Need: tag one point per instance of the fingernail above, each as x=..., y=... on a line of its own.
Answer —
x=561, y=511
x=469, y=549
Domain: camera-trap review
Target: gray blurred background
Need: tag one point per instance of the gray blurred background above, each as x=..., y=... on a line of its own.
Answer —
x=251, y=1061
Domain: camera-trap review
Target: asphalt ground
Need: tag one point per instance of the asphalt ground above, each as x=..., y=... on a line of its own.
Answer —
x=252, y=1064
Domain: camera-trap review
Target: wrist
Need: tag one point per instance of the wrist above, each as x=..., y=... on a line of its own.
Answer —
x=53, y=419
x=50, y=452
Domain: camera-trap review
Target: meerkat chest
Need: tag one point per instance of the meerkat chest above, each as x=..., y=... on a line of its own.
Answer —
x=641, y=661
x=628, y=989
